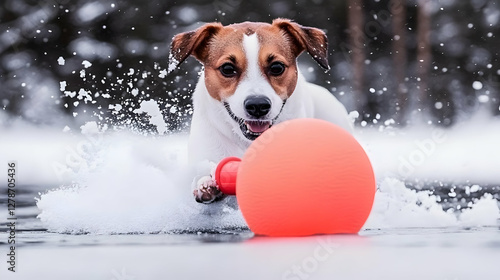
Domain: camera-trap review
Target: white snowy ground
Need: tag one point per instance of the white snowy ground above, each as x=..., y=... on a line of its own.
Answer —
x=131, y=183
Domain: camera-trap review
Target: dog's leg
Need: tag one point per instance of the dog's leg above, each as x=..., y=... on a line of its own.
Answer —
x=207, y=190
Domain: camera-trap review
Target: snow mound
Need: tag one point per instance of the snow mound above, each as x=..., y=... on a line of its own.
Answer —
x=134, y=187
x=397, y=206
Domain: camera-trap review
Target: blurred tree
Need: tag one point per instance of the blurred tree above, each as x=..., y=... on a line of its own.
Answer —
x=358, y=56
x=399, y=54
x=127, y=43
x=424, y=54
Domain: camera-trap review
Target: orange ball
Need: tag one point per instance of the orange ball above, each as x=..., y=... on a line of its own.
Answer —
x=304, y=177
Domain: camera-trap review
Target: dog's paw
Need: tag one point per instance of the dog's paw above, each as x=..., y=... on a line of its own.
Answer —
x=207, y=190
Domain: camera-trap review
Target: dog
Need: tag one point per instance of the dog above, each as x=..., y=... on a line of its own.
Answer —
x=250, y=81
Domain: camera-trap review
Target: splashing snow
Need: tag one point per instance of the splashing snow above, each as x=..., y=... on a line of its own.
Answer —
x=396, y=206
x=140, y=185
x=143, y=184
x=150, y=107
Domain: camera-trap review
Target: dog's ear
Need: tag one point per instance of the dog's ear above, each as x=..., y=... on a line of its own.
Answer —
x=306, y=38
x=192, y=43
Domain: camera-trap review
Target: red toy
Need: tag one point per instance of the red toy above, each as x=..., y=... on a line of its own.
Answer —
x=299, y=178
x=226, y=174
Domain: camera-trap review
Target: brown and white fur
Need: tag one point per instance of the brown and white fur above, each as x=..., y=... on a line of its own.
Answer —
x=250, y=82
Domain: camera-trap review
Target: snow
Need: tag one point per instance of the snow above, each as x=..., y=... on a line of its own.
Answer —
x=464, y=153
x=484, y=213
x=492, y=14
x=61, y=61
x=116, y=172
x=84, y=95
x=39, y=99
x=399, y=207
x=116, y=107
x=86, y=64
x=90, y=128
x=91, y=49
x=477, y=85
x=91, y=11
x=136, y=47
x=188, y=14
x=70, y=94
x=134, y=185
x=483, y=98
x=172, y=65
x=150, y=107
x=163, y=73
x=62, y=85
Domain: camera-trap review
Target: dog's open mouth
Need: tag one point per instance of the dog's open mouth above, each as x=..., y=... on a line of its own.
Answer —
x=252, y=129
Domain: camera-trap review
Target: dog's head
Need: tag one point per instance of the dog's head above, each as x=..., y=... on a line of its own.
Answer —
x=251, y=67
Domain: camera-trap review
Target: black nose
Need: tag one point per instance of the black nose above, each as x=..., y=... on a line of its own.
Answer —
x=257, y=106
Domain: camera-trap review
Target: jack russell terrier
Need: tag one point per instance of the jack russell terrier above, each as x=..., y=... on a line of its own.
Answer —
x=249, y=83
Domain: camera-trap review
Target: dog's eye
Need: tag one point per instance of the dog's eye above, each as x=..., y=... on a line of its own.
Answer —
x=276, y=68
x=228, y=70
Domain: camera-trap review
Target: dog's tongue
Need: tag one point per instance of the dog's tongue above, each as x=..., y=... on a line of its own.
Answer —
x=258, y=127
